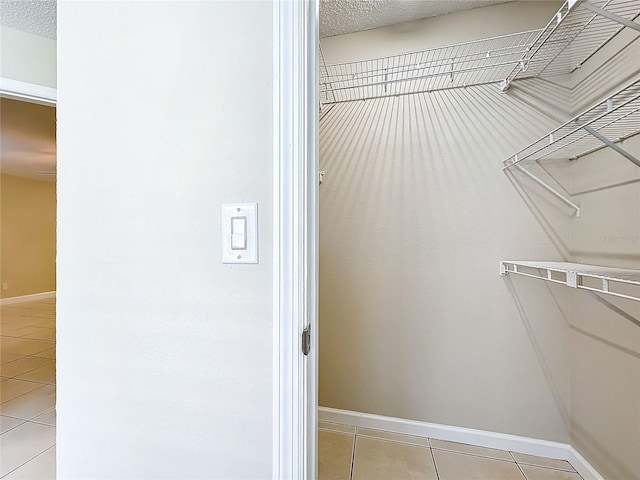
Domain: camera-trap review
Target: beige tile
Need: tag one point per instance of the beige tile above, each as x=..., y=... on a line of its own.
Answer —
x=458, y=466
x=471, y=449
x=14, y=388
x=7, y=423
x=23, y=365
x=45, y=374
x=42, y=333
x=43, y=467
x=540, y=473
x=23, y=443
x=24, y=346
x=18, y=330
x=48, y=418
x=31, y=404
x=377, y=459
x=394, y=437
x=334, y=455
x=6, y=357
x=543, y=462
x=336, y=427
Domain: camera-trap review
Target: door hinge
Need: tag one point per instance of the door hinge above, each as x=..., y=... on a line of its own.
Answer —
x=306, y=340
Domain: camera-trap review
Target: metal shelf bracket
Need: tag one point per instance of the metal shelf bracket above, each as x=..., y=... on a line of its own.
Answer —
x=549, y=188
x=611, y=16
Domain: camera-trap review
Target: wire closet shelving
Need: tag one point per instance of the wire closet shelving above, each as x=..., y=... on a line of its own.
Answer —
x=604, y=125
x=576, y=32
x=593, y=278
x=479, y=62
x=579, y=30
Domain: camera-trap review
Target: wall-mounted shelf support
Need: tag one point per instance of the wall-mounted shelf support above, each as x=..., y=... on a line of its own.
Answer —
x=611, y=16
x=550, y=189
x=611, y=144
x=593, y=278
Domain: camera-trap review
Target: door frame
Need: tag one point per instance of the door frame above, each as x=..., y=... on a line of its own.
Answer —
x=27, y=92
x=295, y=240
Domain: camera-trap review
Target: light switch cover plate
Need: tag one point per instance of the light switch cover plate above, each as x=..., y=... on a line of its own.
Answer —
x=244, y=215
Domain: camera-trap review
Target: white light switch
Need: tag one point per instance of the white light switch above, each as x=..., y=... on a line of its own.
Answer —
x=240, y=233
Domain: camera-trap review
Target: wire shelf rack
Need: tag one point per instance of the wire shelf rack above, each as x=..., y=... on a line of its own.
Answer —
x=472, y=63
x=615, y=118
x=573, y=36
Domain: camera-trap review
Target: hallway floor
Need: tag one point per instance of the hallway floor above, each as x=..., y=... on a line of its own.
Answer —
x=28, y=390
x=350, y=453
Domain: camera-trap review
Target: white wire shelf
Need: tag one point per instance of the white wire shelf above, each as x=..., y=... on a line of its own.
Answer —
x=578, y=30
x=472, y=63
x=598, y=279
x=605, y=125
x=615, y=118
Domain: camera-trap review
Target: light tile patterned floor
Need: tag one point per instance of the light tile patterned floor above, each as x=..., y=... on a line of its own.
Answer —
x=28, y=419
x=349, y=453
x=28, y=390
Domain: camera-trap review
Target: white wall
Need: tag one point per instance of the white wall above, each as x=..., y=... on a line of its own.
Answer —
x=165, y=354
x=27, y=58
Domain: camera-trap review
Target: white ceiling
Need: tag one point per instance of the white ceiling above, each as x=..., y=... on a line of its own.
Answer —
x=37, y=17
x=348, y=16
x=27, y=139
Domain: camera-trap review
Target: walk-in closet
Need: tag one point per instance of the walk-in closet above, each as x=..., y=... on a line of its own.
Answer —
x=479, y=237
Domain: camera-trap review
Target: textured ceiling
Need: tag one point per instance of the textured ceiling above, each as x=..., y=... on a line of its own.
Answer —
x=37, y=17
x=27, y=139
x=347, y=16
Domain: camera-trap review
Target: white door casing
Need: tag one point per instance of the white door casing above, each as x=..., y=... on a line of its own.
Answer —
x=295, y=237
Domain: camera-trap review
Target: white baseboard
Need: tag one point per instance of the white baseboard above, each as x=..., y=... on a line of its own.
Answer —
x=27, y=298
x=481, y=438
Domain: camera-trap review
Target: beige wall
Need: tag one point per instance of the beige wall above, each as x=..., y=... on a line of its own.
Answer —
x=605, y=333
x=28, y=243
x=415, y=213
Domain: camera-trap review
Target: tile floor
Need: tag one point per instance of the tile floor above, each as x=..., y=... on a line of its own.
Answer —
x=28, y=419
x=350, y=453
x=28, y=390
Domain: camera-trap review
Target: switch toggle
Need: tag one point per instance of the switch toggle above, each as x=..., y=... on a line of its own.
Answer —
x=240, y=233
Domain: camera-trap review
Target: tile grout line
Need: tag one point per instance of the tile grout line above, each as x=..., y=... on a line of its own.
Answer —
x=524, y=475
x=15, y=426
x=26, y=393
x=30, y=419
x=474, y=454
x=549, y=468
x=45, y=450
x=433, y=459
x=395, y=441
x=353, y=453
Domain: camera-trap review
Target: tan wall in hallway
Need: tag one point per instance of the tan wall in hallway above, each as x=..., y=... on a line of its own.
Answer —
x=28, y=238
